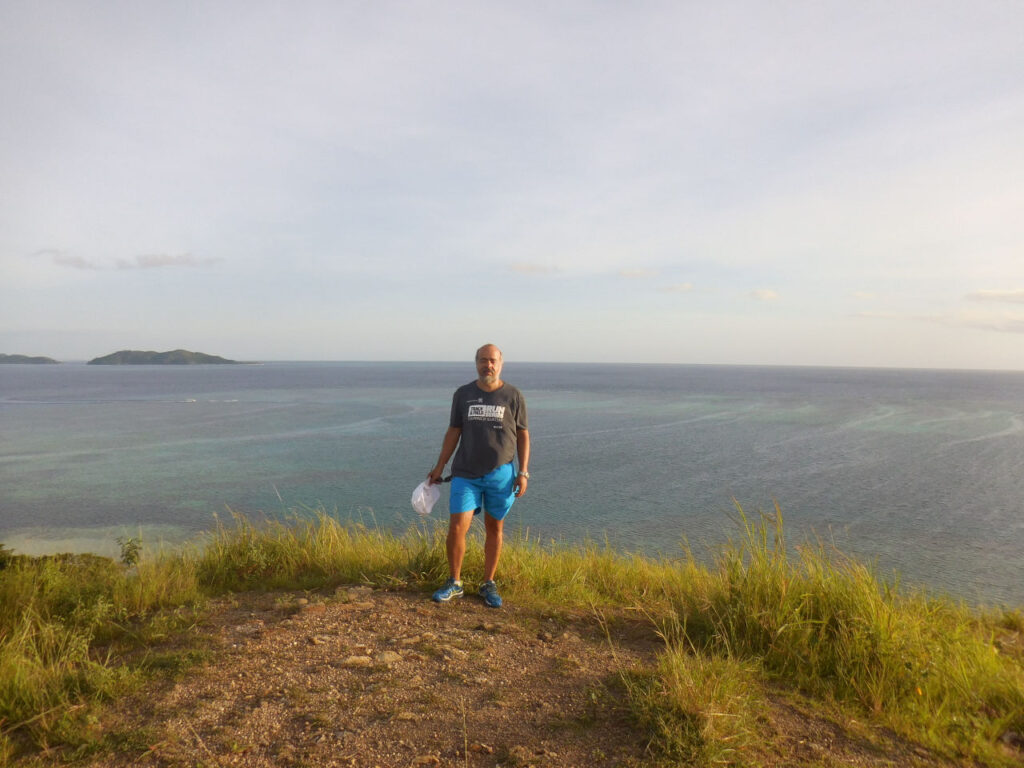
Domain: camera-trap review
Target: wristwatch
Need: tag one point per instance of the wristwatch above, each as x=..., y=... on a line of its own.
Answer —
x=525, y=474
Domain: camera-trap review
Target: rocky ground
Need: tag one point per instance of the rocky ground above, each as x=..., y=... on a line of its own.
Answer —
x=374, y=678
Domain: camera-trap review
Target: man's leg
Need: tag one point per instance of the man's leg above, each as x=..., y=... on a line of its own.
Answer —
x=492, y=545
x=455, y=545
x=499, y=495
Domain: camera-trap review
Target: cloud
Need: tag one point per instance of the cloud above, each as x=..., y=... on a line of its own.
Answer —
x=637, y=274
x=1014, y=297
x=64, y=259
x=148, y=261
x=1003, y=322
x=764, y=294
x=74, y=262
x=1000, y=322
x=158, y=260
x=864, y=295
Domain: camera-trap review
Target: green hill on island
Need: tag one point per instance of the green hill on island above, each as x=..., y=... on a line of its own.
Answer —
x=174, y=357
x=27, y=359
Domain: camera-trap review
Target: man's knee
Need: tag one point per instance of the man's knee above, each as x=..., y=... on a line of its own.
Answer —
x=492, y=526
x=459, y=523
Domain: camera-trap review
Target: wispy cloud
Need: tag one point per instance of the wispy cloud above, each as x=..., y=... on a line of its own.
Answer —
x=148, y=261
x=1003, y=322
x=637, y=274
x=62, y=258
x=1000, y=322
x=764, y=294
x=73, y=262
x=160, y=260
x=1013, y=297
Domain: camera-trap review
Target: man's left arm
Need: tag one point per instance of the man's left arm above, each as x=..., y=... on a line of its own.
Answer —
x=523, y=449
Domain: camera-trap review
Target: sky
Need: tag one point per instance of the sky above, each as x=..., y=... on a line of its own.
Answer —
x=763, y=183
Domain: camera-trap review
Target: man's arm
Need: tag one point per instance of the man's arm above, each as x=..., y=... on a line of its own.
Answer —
x=523, y=448
x=448, y=446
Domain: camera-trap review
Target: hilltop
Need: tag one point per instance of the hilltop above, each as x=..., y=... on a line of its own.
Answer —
x=313, y=642
x=27, y=359
x=374, y=677
x=174, y=357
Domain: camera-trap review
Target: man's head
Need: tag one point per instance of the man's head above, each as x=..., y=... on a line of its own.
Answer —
x=488, y=365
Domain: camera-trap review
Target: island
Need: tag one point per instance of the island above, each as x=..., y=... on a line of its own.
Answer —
x=174, y=357
x=27, y=360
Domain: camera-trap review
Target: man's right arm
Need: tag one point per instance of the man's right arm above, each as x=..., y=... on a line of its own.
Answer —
x=448, y=446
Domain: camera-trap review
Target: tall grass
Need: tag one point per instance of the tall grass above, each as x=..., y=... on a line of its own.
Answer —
x=700, y=709
x=57, y=615
x=807, y=618
x=825, y=623
x=314, y=551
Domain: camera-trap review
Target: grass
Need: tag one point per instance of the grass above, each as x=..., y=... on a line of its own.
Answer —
x=699, y=709
x=61, y=620
x=75, y=631
x=925, y=667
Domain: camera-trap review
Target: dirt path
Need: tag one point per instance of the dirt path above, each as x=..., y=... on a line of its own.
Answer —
x=374, y=678
x=390, y=679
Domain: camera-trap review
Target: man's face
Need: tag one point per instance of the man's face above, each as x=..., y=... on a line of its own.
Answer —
x=488, y=364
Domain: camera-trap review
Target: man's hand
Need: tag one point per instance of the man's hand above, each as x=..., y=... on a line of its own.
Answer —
x=521, y=483
x=448, y=446
x=434, y=475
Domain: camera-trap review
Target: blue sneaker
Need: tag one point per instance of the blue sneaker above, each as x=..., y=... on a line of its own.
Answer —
x=489, y=592
x=451, y=588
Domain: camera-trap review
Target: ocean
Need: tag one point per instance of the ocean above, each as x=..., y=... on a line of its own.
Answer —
x=919, y=472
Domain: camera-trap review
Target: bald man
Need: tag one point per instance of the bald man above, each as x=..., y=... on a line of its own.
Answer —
x=486, y=432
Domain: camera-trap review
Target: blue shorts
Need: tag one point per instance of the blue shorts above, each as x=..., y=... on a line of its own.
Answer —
x=494, y=492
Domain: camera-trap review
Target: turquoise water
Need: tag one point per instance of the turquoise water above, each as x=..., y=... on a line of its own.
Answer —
x=919, y=471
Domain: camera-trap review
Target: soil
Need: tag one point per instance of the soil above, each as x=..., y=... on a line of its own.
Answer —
x=377, y=678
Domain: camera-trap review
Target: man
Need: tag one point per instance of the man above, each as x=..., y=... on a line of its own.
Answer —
x=488, y=426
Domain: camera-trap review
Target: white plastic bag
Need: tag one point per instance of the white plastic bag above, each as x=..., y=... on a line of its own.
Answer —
x=424, y=497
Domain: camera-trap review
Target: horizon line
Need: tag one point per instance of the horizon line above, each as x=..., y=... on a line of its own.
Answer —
x=819, y=366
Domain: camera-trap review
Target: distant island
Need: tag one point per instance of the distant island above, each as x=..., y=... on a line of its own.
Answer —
x=174, y=357
x=26, y=359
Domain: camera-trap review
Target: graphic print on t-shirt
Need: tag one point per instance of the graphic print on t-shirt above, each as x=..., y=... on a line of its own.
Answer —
x=486, y=413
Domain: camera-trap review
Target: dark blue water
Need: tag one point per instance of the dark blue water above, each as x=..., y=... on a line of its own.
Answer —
x=919, y=471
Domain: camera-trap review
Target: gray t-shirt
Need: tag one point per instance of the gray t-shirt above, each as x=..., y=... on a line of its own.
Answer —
x=489, y=422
